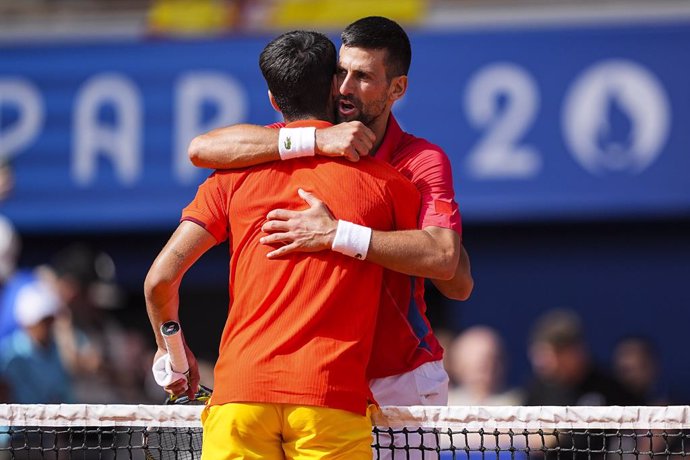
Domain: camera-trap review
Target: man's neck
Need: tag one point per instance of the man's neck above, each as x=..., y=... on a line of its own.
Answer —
x=378, y=126
x=322, y=117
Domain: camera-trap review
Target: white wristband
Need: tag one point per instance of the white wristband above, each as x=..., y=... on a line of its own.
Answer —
x=296, y=142
x=352, y=239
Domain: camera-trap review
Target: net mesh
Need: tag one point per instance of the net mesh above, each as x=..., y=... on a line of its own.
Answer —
x=468, y=433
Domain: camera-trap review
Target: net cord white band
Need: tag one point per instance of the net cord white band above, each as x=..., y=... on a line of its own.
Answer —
x=537, y=417
x=62, y=415
x=456, y=418
x=296, y=142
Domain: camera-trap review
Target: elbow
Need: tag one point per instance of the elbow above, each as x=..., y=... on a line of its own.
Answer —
x=195, y=152
x=463, y=290
x=443, y=254
x=157, y=286
x=460, y=289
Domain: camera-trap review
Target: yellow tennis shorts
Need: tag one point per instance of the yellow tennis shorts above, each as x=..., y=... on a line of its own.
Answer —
x=284, y=431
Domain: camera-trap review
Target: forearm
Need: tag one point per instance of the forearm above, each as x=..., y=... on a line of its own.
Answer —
x=233, y=147
x=161, y=287
x=460, y=286
x=240, y=146
x=428, y=253
x=162, y=303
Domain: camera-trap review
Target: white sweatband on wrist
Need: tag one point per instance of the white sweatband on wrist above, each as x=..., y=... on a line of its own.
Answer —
x=352, y=239
x=296, y=142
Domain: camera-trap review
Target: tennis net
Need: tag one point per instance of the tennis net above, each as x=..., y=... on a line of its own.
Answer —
x=470, y=433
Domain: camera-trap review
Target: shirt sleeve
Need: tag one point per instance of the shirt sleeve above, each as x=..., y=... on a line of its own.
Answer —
x=432, y=175
x=209, y=208
x=404, y=203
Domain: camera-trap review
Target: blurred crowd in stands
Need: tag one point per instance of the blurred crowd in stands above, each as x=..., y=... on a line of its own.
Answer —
x=209, y=17
x=162, y=18
x=60, y=337
x=61, y=340
x=563, y=370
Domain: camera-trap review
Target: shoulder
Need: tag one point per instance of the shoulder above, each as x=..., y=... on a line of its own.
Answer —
x=382, y=183
x=223, y=178
x=383, y=173
x=412, y=147
x=417, y=157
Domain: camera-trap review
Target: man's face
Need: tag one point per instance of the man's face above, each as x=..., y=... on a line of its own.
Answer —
x=362, y=85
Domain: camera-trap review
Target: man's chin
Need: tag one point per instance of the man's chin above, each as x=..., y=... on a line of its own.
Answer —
x=342, y=118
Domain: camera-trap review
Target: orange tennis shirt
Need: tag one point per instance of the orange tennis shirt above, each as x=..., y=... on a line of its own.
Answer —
x=299, y=329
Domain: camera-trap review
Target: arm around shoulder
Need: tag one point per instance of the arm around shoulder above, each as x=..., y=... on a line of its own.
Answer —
x=233, y=147
x=243, y=145
x=429, y=253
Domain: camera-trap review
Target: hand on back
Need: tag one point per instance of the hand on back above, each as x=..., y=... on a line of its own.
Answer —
x=310, y=230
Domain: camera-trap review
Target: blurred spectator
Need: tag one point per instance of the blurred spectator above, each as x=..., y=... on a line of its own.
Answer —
x=636, y=366
x=564, y=373
x=9, y=253
x=6, y=180
x=82, y=278
x=445, y=339
x=100, y=354
x=29, y=357
x=477, y=364
x=9, y=249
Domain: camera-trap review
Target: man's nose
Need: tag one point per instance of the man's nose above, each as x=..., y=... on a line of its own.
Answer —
x=345, y=86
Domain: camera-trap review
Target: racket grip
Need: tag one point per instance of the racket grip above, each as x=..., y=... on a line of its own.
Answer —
x=172, y=336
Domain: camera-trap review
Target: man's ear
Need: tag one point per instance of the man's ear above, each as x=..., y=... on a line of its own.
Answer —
x=273, y=102
x=398, y=87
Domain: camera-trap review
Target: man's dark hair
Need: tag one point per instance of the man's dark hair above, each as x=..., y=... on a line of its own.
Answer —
x=560, y=328
x=298, y=67
x=379, y=33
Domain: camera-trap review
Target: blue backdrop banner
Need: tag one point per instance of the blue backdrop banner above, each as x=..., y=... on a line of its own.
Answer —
x=544, y=124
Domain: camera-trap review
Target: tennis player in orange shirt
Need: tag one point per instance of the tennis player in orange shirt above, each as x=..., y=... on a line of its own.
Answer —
x=290, y=380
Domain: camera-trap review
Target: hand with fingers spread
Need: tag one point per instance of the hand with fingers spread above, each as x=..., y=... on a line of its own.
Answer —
x=351, y=140
x=310, y=230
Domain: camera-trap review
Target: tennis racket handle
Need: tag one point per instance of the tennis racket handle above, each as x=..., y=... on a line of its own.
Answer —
x=172, y=336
